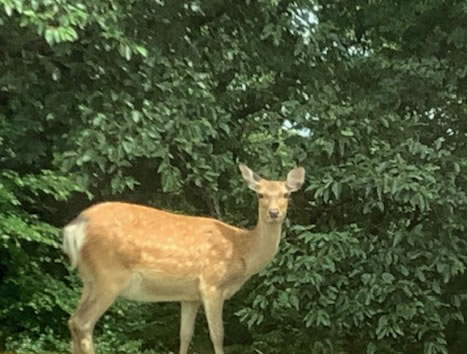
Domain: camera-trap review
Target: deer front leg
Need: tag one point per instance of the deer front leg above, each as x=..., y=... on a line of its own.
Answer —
x=187, y=324
x=213, y=307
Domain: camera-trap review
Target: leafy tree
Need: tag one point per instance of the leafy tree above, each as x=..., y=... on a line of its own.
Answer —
x=381, y=242
x=155, y=102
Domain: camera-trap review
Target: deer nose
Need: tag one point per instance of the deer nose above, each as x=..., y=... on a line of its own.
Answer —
x=274, y=213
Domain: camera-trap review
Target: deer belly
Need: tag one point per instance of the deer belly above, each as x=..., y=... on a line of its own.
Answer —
x=158, y=287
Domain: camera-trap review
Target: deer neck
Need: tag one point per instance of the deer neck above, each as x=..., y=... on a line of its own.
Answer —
x=265, y=245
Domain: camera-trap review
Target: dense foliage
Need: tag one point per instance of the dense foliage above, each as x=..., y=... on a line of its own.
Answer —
x=156, y=101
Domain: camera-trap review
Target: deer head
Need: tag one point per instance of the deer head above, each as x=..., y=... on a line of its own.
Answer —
x=273, y=196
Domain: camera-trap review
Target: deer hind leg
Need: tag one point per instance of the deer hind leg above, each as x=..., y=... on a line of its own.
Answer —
x=71, y=322
x=189, y=309
x=95, y=300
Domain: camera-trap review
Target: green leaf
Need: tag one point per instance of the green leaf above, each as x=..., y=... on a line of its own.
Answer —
x=388, y=278
x=366, y=278
x=397, y=239
x=142, y=51
x=347, y=132
x=337, y=189
x=136, y=116
x=8, y=9
x=294, y=301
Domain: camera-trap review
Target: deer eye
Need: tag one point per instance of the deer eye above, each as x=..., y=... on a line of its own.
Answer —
x=260, y=195
x=286, y=195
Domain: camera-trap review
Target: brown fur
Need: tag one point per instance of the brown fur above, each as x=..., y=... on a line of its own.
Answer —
x=146, y=254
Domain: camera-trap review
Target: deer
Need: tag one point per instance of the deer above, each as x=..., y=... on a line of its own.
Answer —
x=145, y=254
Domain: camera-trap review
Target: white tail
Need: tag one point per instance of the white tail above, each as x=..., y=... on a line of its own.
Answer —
x=145, y=254
x=73, y=239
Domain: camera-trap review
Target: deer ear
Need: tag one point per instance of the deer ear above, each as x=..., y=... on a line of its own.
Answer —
x=295, y=179
x=252, y=179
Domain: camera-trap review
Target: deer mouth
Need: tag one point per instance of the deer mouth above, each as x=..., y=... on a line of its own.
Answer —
x=276, y=219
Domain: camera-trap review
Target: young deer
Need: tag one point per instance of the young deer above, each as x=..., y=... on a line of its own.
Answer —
x=145, y=254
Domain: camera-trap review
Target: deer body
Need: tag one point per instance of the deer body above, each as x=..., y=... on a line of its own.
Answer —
x=144, y=254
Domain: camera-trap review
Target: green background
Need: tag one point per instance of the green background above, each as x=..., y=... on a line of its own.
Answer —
x=156, y=102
